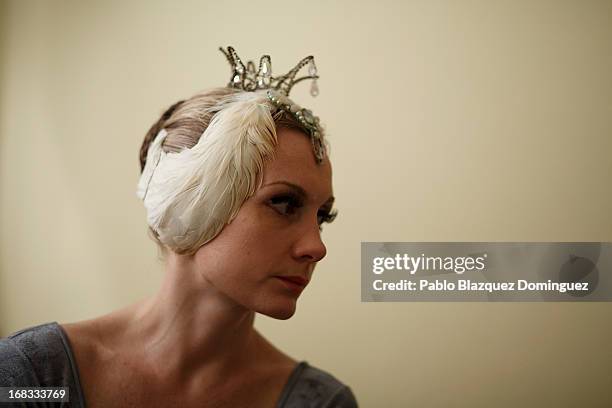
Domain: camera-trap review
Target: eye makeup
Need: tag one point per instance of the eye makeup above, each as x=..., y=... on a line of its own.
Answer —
x=289, y=203
x=286, y=203
x=327, y=216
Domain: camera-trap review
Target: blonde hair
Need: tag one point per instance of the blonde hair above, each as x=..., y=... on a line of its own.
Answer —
x=186, y=121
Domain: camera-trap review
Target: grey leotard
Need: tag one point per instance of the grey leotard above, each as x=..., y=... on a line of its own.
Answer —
x=41, y=356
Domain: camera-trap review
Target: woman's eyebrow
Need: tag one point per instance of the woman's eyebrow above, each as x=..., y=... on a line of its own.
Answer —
x=299, y=190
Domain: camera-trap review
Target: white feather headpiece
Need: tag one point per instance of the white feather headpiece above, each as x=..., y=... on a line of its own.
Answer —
x=192, y=194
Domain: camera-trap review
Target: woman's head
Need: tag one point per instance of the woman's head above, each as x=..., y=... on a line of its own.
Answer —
x=275, y=237
x=205, y=157
x=239, y=185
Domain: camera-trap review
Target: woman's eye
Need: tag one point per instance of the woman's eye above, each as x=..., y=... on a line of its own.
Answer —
x=285, y=205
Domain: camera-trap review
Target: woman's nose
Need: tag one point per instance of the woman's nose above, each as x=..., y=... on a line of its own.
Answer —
x=309, y=246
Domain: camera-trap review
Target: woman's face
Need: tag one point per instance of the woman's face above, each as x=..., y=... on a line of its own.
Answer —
x=275, y=234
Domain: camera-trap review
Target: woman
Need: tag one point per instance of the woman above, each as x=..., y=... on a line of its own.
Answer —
x=237, y=183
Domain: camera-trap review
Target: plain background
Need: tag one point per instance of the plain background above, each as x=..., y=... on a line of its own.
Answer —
x=448, y=120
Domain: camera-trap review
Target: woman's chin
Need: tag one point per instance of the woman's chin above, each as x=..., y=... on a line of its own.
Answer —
x=280, y=311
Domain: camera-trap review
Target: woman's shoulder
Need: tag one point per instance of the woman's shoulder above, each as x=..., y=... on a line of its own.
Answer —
x=35, y=356
x=311, y=386
x=305, y=385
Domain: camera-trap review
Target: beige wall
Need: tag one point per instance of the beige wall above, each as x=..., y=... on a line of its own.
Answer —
x=449, y=120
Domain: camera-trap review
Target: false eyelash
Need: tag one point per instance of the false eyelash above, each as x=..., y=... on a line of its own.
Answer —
x=329, y=217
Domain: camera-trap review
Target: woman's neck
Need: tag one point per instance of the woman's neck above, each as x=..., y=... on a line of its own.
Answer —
x=187, y=328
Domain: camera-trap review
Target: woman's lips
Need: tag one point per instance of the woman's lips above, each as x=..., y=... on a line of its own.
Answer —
x=294, y=283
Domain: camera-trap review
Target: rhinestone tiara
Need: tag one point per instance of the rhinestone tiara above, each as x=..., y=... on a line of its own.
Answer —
x=305, y=117
x=248, y=79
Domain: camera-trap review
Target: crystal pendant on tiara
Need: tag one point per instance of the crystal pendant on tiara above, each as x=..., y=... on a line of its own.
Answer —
x=314, y=88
